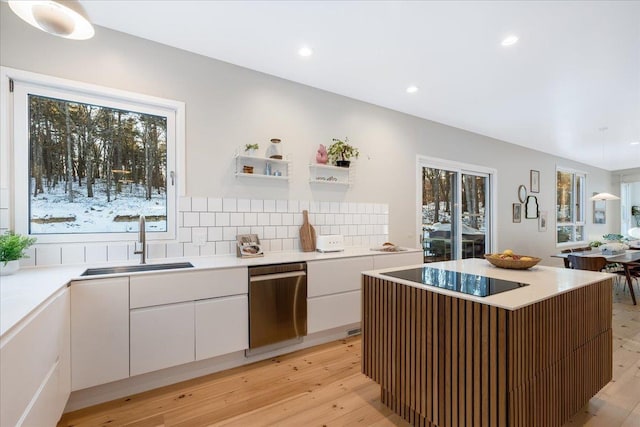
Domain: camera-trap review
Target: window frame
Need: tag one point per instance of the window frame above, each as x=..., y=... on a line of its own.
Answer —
x=18, y=84
x=575, y=222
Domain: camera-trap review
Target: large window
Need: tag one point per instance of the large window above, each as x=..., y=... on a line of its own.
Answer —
x=89, y=161
x=570, y=206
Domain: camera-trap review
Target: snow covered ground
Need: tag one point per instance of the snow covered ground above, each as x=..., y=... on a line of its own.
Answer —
x=95, y=215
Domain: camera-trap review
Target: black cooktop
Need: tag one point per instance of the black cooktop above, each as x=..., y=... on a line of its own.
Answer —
x=465, y=283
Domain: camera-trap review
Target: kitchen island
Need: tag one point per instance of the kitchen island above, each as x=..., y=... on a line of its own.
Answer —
x=532, y=351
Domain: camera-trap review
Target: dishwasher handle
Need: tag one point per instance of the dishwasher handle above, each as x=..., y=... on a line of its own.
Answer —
x=277, y=276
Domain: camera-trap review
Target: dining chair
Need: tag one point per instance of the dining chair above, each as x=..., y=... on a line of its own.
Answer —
x=590, y=263
x=567, y=262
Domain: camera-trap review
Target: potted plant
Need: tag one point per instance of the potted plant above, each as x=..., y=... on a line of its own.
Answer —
x=12, y=247
x=250, y=149
x=340, y=152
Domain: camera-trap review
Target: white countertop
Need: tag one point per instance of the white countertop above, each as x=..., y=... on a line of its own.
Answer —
x=25, y=291
x=544, y=282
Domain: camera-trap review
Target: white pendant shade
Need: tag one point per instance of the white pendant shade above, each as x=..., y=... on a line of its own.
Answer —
x=54, y=18
x=605, y=196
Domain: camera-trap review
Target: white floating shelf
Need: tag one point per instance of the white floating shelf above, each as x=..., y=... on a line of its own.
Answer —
x=317, y=181
x=329, y=167
x=262, y=176
x=262, y=159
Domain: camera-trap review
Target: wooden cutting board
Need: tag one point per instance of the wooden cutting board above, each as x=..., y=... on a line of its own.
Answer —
x=307, y=234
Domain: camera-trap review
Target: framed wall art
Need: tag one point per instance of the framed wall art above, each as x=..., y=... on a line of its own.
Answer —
x=534, y=181
x=542, y=221
x=517, y=212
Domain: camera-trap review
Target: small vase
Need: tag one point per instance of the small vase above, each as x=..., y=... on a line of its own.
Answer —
x=274, y=151
x=9, y=268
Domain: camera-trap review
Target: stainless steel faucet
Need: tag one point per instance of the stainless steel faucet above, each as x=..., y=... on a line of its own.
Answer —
x=142, y=238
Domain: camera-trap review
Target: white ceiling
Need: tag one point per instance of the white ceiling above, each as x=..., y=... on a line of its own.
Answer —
x=575, y=70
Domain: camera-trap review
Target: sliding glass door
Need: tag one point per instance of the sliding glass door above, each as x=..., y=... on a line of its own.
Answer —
x=455, y=210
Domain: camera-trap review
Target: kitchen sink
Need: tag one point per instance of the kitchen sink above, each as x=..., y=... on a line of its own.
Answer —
x=135, y=268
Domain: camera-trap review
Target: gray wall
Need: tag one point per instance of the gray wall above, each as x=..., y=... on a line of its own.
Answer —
x=227, y=106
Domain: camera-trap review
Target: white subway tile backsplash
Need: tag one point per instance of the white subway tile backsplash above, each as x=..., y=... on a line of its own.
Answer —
x=48, y=255
x=30, y=259
x=223, y=219
x=287, y=244
x=207, y=219
x=269, y=232
x=73, y=254
x=224, y=248
x=214, y=234
x=275, y=219
x=287, y=219
x=95, y=253
x=264, y=219
x=276, y=245
x=244, y=205
x=175, y=250
x=208, y=226
x=191, y=250
x=281, y=206
x=257, y=205
x=229, y=205
x=208, y=250
x=184, y=235
x=191, y=219
x=117, y=252
x=229, y=233
x=214, y=204
x=237, y=219
x=156, y=250
x=269, y=206
x=250, y=218
x=199, y=204
x=282, y=232
x=184, y=204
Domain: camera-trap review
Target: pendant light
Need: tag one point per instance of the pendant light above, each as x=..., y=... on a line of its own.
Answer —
x=60, y=18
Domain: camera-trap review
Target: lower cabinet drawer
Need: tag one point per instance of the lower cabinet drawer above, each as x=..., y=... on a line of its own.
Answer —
x=332, y=311
x=222, y=326
x=162, y=337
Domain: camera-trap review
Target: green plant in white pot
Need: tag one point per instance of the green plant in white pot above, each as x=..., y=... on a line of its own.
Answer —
x=12, y=247
x=340, y=152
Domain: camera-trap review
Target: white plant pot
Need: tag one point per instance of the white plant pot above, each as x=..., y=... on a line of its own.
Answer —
x=251, y=152
x=9, y=268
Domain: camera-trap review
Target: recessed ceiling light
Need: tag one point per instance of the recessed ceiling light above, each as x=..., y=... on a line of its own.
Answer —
x=508, y=41
x=635, y=143
x=305, y=51
x=412, y=89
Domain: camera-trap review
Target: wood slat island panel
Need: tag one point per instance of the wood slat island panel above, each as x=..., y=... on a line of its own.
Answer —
x=446, y=361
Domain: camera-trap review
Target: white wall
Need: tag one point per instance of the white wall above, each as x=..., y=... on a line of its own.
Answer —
x=227, y=106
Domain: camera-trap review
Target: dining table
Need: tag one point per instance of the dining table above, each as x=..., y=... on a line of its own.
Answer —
x=629, y=259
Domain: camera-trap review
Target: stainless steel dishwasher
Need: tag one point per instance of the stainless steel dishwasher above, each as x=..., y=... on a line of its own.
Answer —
x=277, y=303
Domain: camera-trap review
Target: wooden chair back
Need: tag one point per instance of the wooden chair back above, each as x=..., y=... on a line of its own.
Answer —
x=567, y=262
x=591, y=263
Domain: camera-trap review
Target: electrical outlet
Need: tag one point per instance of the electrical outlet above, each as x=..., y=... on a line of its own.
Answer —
x=199, y=236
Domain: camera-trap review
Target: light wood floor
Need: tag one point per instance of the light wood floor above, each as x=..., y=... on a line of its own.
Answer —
x=323, y=386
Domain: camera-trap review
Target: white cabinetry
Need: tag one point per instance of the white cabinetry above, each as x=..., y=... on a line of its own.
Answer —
x=333, y=290
x=99, y=331
x=161, y=337
x=180, y=317
x=35, y=376
x=222, y=326
x=397, y=259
